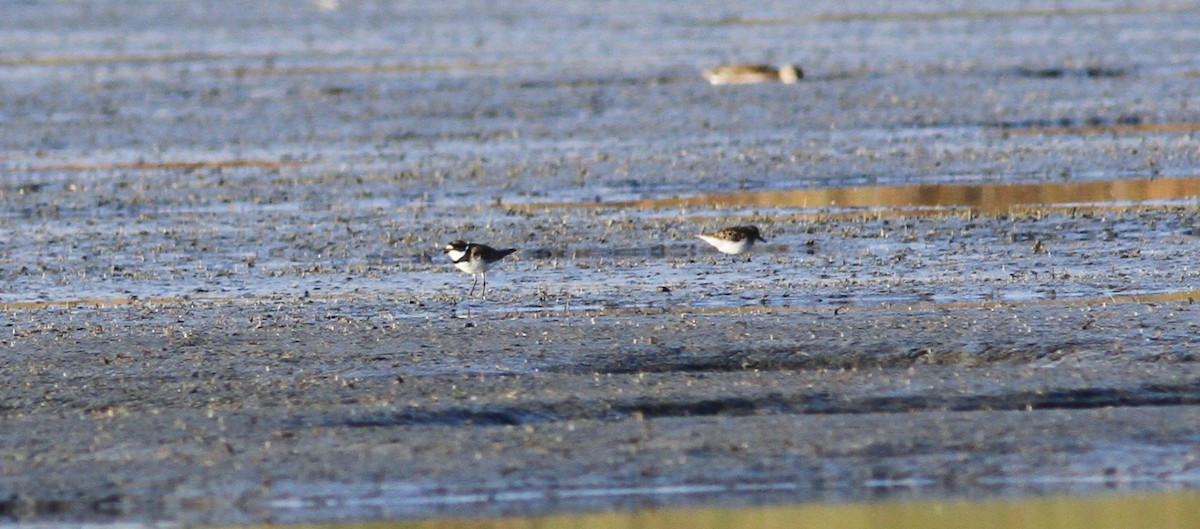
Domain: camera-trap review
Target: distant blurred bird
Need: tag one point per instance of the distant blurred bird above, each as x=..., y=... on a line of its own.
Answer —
x=474, y=259
x=753, y=73
x=734, y=241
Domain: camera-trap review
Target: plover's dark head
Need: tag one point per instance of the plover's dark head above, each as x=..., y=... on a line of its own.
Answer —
x=752, y=232
x=457, y=245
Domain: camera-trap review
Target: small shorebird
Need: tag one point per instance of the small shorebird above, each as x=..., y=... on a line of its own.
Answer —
x=474, y=259
x=735, y=240
x=753, y=73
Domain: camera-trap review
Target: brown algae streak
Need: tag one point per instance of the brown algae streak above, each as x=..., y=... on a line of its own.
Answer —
x=1131, y=128
x=979, y=198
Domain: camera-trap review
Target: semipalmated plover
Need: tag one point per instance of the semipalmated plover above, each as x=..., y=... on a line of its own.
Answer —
x=753, y=73
x=474, y=259
x=734, y=241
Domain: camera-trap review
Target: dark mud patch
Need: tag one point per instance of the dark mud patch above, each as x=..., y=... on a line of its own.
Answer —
x=830, y=358
x=22, y=506
x=1130, y=123
x=483, y=416
x=1087, y=72
x=818, y=403
x=607, y=81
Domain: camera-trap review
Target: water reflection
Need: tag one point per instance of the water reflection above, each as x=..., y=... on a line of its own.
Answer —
x=1145, y=511
x=980, y=198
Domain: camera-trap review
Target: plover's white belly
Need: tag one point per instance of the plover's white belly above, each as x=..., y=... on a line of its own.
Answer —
x=466, y=265
x=726, y=246
x=477, y=266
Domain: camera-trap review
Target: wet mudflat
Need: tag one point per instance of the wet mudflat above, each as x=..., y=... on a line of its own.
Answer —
x=225, y=301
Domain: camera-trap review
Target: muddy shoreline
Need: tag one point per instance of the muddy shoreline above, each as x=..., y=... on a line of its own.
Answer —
x=332, y=417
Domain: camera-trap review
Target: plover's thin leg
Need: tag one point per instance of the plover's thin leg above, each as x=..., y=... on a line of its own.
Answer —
x=475, y=280
x=483, y=292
